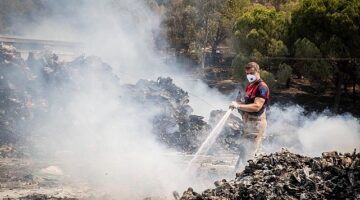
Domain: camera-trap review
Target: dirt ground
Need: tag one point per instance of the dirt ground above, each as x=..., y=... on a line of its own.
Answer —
x=24, y=178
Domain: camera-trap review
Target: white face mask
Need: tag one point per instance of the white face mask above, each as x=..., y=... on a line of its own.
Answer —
x=251, y=78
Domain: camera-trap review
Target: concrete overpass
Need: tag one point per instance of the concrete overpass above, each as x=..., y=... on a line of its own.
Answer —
x=66, y=50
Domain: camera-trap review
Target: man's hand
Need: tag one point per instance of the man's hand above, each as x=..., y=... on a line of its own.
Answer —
x=234, y=105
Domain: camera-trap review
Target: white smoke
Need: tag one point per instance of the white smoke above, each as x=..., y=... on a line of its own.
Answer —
x=109, y=142
x=122, y=33
x=311, y=133
x=98, y=135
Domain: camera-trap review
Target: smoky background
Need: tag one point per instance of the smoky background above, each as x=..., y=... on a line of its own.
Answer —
x=97, y=134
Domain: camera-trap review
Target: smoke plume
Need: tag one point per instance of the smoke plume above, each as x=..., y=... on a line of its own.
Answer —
x=99, y=135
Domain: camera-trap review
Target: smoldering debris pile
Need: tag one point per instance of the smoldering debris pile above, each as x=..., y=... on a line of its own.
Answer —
x=173, y=124
x=285, y=175
x=14, y=101
x=230, y=137
x=29, y=91
x=28, y=88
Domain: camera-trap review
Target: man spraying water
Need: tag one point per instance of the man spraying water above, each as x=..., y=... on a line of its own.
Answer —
x=253, y=111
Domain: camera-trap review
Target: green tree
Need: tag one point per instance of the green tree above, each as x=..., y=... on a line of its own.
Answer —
x=233, y=9
x=333, y=27
x=259, y=24
x=309, y=63
x=210, y=29
x=260, y=34
x=194, y=26
x=277, y=4
x=180, y=25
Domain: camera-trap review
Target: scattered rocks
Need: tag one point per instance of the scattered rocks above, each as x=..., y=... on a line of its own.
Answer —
x=285, y=175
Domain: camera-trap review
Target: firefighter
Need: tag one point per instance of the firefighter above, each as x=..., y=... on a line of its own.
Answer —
x=253, y=110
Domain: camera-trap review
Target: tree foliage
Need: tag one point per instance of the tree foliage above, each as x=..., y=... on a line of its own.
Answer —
x=194, y=25
x=332, y=31
x=234, y=8
x=321, y=20
x=260, y=33
x=180, y=24
x=310, y=68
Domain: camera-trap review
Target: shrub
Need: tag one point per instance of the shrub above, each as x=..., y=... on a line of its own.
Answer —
x=268, y=77
x=283, y=74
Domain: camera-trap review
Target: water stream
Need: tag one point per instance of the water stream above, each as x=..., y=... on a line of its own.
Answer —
x=206, y=145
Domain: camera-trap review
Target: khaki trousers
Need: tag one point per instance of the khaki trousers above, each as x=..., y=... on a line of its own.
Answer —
x=254, y=134
x=254, y=130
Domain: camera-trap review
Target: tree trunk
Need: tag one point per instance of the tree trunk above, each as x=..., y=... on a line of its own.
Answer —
x=213, y=54
x=288, y=83
x=215, y=44
x=354, y=83
x=354, y=92
x=203, y=56
x=345, y=86
x=339, y=80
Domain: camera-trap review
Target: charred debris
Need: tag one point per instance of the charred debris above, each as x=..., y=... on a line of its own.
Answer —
x=28, y=90
x=285, y=175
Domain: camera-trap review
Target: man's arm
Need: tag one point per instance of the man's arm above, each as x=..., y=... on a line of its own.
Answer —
x=253, y=107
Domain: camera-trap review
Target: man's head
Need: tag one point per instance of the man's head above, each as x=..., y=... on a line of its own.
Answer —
x=252, y=71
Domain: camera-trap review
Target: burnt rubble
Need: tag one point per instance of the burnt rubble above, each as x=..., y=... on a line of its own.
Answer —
x=28, y=88
x=285, y=175
x=14, y=74
x=173, y=124
x=176, y=126
x=230, y=137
